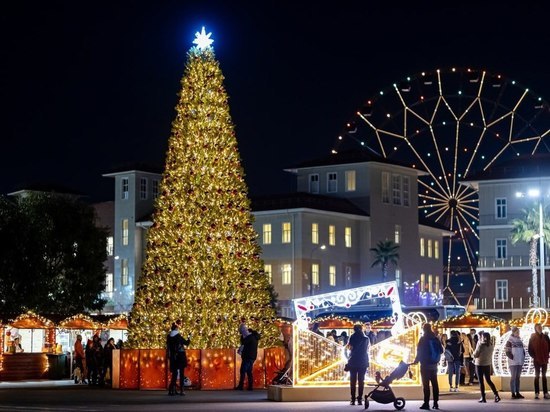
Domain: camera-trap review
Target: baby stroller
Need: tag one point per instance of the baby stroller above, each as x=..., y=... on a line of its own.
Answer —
x=282, y=377
x=382, y=392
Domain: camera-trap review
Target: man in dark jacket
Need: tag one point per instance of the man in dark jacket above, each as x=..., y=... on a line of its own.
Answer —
x=358, y=362
x=175, y=345
x=428, y=353
x=539, y=350
x=249, y=352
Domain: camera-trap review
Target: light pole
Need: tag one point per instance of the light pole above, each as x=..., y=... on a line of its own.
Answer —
x=322, y=247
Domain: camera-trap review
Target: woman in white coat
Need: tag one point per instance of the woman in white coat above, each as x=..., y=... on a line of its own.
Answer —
x=515, y=352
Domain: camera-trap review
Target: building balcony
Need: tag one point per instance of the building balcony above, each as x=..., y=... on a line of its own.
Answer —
x=510, y=262
x=514, y=304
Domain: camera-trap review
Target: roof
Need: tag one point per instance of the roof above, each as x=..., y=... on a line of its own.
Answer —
x=347, y=157
x=521, y=167
x=305, y=200
x=129, y=167
x=46, y=187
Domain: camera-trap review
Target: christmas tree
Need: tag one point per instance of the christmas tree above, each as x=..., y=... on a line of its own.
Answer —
x=202, y=263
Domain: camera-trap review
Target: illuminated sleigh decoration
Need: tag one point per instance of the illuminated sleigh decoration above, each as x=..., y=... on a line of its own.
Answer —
x=318, y=361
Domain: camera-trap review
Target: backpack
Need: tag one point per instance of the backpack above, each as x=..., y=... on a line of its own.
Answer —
x=449, y=356
x=435, y=350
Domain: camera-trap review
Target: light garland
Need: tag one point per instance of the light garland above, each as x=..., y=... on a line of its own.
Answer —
x=31, y=320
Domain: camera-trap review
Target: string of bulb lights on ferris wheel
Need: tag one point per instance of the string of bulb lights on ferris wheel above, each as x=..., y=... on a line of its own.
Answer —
x=451, y=124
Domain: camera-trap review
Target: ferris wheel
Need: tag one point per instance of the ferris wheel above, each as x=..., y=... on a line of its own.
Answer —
x=451, y=124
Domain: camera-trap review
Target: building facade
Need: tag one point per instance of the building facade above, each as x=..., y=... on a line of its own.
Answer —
x=505, y=273
x=315, y=240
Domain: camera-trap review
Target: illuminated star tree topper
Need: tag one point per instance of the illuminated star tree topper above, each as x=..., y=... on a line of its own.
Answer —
x=203, y=40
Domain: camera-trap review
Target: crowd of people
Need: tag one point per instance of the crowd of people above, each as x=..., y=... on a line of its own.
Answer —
x=94, y=362
x=473, y=353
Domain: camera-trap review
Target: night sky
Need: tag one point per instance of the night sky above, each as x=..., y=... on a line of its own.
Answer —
x=87, y=87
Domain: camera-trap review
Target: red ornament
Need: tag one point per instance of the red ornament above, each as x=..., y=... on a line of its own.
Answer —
x=199, y=301
x=167, y=304
x=147, y=301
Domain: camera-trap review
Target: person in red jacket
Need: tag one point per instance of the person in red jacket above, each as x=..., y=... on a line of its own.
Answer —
x=539, y=350
x=80, y=358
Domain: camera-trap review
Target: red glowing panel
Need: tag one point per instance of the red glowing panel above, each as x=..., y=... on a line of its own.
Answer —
x=129, y=369
x=152, y=369
x=274, y=361
x=217, y=369
x=193, y=369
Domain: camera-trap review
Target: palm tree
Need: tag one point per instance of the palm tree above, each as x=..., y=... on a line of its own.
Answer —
x=385, y=253
x=526, y=229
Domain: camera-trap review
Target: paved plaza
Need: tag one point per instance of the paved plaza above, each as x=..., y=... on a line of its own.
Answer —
x=64, y=396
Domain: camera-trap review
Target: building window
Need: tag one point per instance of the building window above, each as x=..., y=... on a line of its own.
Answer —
x=429, y=248
x=287, y=234
x=109, y=283
x=501, y=290
x=332, y=182
x=422, y=247
x=315, y=233
x=385, y=187
x=124, y=272
x=436, y=284
x=397, y=234
x=269, y=273
x=347, y=236
x=430, y=280
x=436, y=249
x=350, y=180
x=501, y=248
x=287, y=274
x=125, y=186
x=348, y=277
x=398, y=276
x=315, y=274
x=266, y=236
x=332, y=235
x=143, y=188
x=406, y=191
x=155, y=188
x=314, y=183
x=501, y=211
x=396, y=189
x=110, y=246
x=422, y=282
x=125, y=232
x=332, y=275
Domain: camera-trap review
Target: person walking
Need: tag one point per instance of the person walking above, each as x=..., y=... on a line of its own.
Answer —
x=539, y=350
x=175, y=345
x=358, y=362
x=468, y=357
x=454, y=349
x=483, y=356
x=249, y=352
x=516, y=356
x=428, y=353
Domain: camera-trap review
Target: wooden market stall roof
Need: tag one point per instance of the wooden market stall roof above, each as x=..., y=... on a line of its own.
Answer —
x=470, y=320
x=119, y=323
x=79, y=321
x=31, y=320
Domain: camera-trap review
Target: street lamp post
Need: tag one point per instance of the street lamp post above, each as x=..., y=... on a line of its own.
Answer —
x=322, y=247
x=542, y=258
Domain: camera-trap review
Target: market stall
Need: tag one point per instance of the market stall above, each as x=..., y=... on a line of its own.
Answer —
x=66, y=333
x=27, y=341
